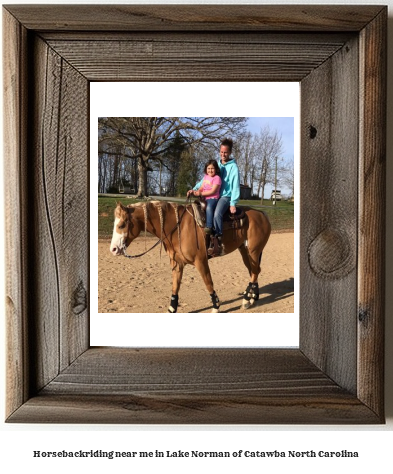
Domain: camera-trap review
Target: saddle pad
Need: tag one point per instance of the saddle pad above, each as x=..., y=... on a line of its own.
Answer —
x=200, y=216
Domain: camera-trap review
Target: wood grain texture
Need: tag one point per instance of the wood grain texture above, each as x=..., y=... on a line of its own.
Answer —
x=153, y=409
x=372, y=208
x=16, y=235
x=195, y=17
x=193, y=56
x=194, y=386
x=335, y=376
x=60, y=215
x=185, y=371
x=328, y=249
x=201, y=37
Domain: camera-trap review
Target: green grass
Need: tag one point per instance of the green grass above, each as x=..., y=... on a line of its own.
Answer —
x=267, y=203
x=106, y=207
x=280, y=215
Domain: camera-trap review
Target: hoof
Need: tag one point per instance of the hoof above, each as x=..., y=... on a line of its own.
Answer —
x=248, y=303
x=215, y=310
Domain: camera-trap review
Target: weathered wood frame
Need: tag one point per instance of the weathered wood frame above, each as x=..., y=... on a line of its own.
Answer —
x=338, y=54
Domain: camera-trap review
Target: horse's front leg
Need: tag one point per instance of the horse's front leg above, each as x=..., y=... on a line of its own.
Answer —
x=177, y=274
x=204, y=270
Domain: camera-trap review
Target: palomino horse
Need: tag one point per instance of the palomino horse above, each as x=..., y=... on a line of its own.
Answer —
x=184, y=242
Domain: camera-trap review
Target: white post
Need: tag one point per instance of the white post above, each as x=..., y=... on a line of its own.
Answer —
x=275, y=184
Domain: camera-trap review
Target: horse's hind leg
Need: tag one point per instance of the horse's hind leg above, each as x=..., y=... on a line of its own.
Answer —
x=177, y=274
x=246, y=260
x=252, y=291
x=203, y=268
x=257, y=235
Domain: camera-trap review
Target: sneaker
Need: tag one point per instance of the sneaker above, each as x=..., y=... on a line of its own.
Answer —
x=208, y=230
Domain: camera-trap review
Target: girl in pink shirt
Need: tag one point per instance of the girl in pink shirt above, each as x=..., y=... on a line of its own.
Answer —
x=209, y=188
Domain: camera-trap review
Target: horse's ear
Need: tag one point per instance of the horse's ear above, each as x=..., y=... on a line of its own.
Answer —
x=119, y=208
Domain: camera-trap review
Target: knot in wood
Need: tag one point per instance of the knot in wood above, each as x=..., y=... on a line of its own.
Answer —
x=330, y=254
x=313, y=132
x=80, y=299
x=363, y=316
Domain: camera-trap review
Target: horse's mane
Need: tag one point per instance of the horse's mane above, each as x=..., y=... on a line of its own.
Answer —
x=162, y=208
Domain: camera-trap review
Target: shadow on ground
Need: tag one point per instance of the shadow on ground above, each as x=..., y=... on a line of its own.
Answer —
x=268, y=294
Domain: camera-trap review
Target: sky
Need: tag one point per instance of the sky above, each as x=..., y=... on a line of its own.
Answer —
x=285, y=126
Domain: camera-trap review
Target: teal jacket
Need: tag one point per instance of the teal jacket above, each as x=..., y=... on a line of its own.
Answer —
x=230, y=181
x=230, y=178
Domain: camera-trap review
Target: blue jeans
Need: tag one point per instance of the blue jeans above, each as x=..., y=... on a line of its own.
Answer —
x=210, y=207
x=221, y=208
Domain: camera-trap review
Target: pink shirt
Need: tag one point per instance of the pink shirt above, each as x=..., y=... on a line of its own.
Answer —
x=208, y=184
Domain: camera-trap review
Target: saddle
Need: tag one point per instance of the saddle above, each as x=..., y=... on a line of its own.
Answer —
x=230, y=221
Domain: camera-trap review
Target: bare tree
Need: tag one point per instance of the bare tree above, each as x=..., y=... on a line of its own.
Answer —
x=269, y=146
x=288, y=176
x=151, y=137
x=245, y=154
x=116, y=164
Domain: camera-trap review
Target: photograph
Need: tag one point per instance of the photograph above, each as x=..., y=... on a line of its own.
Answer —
x=203, y=210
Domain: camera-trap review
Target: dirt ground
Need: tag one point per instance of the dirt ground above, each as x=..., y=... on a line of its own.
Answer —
x=143, y=285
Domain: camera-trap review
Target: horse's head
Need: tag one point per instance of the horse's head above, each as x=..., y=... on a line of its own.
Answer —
x=125, y=229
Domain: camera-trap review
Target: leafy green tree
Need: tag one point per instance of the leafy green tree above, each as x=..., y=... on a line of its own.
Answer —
x=188, y=171
x=173, y=159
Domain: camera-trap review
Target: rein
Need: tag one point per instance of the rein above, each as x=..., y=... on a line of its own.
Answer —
x=124, y=248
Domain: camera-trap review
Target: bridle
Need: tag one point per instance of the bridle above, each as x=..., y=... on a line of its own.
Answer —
x=124, y=246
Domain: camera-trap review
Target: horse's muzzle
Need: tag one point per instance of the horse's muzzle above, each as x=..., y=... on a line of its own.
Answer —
x=115, y=250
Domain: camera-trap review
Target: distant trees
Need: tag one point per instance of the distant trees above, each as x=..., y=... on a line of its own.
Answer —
x=190, y=168
x=116, y=166
x=288, y=176
x=166, y=155
x=245, y=152
x=256, y=157
x=160, y=144
x=269, y=146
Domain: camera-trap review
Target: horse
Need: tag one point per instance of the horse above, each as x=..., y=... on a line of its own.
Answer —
x=184, y=241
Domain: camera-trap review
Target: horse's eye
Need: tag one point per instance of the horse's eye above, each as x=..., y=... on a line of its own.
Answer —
x=122, y=226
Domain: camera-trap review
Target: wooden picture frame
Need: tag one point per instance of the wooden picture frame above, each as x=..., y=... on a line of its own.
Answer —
x=338, y=54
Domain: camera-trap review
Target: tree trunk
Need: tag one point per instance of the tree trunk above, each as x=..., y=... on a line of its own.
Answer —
x=115, y=177
x=135, y=175
x=142, y=173
x=262, y=184
x=262, y=194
